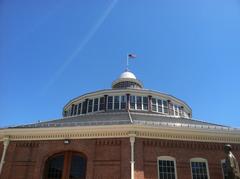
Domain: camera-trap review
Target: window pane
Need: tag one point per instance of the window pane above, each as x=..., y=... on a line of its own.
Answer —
x=102, y=103
x=176, y=110
x=79, y=108
x=171, y=109
x=166, y=169
x=160, y=105
x=110, y=102
x=145, y=103
x=116, y=102
x=90, y=105
x=132, y=102
x=95, y=104
x=75, y=110
x=154, y=104
x=165, y=107
x=123, y=102
x=139, y=102
x=84, y=107
x=199, y=170
x=72, y=109
x=54, y=167
x=78, y=167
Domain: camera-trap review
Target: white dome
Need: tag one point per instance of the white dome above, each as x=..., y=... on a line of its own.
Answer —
x=127, y=74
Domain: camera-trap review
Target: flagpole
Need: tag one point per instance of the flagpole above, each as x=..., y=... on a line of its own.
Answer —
x=127, y=63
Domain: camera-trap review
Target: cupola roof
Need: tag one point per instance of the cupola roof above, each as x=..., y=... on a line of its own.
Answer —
x=127, y=74
x=127, y=80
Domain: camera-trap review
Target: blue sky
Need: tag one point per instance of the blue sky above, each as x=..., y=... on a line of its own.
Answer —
x=53, y=51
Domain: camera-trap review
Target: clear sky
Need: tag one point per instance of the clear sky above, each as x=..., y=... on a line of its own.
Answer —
x=53, y=51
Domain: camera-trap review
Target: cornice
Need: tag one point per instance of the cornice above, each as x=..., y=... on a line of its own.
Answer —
x=121, y=131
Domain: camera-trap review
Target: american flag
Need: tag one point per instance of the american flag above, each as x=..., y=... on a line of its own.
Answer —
x=132, y=56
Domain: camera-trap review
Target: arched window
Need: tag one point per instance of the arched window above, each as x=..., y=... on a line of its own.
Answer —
x=199, y=167
x=167, y=167
x=67, y=165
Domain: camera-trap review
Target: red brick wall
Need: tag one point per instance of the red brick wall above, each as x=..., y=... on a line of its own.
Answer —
x=183, y=152
x=110, y=158
x=106, y=158
x=1, y=149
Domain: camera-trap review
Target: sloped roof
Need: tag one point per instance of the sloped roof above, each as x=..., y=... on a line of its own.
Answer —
x=123, y=118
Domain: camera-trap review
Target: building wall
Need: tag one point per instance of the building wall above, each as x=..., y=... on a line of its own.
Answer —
x=110, y=158
x=106, y=158
x=1, y=149
x=183, y=152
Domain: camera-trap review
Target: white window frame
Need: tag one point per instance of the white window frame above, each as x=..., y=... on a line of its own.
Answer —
x=136, y=97
x=170, y=159
x=176, y=109
x=119, y=102
x=199, y=159
x=97, y=104
x=159, y=105
x=135, y=102
x=143, y=103
x=78, y=108
x=112, y=102
x=125, y=100
x=154, y=104
x=92, y=105
x=157, y=99
x=100, y=103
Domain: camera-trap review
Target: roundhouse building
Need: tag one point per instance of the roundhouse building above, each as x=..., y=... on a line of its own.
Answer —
x=125, y=132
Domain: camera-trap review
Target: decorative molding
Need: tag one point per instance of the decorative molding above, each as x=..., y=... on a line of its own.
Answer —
x=186, y=144
x=121, y=131
x=108, y=142
x=27, y=144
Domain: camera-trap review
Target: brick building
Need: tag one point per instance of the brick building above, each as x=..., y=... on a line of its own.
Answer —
x=124, y=132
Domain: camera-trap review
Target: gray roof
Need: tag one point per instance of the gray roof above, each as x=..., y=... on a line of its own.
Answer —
x=123, y=118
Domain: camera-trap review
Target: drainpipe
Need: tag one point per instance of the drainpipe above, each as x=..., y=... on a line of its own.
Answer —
x=5, y=146
x=132, y=141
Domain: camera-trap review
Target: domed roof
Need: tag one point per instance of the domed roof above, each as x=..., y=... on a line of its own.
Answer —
x=127, y=80
x=127, y=74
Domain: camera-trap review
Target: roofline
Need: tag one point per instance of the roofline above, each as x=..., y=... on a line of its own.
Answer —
x=122, y=131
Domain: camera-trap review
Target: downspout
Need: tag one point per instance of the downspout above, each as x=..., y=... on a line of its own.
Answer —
x=132, y=141
x=5, y=146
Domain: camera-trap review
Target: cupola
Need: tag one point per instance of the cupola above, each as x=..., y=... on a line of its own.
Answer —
x=127, y=80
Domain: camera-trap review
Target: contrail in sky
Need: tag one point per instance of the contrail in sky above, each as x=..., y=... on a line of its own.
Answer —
x=86, y=39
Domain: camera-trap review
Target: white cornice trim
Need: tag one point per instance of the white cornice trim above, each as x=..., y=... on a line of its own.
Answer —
x=121, y=131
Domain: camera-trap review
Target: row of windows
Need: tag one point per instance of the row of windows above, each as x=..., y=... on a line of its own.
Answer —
x=97, y=104
x=120, y=103
x=75, y=167
x=139, y=102
x=199, y=168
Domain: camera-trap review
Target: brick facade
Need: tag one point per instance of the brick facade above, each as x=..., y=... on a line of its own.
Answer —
x=110, y=158
x=1, y=149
